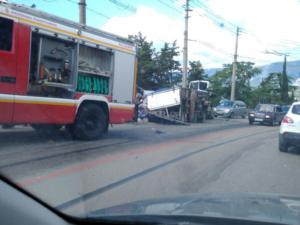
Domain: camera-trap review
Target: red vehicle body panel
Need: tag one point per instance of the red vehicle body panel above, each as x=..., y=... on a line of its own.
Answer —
x=6, y=109
x=23, y=45
x=8, y=70
x=120, y=115
x=40, y=113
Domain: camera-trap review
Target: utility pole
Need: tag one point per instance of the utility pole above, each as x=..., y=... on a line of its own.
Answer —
x=284, y=83
x=82, y=12
x=234, y=66
x=185, y=46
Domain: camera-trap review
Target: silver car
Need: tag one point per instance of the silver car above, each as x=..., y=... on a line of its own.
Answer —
x=231, y=109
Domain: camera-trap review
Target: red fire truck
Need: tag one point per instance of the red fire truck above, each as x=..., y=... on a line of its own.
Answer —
x=55, y=72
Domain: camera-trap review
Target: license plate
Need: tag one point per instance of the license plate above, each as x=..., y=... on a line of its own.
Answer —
x=258, y=119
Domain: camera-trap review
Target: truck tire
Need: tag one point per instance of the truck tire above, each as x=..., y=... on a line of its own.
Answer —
x=209, y=116
x=202, y=117
x=90, y=124
x=272, y=123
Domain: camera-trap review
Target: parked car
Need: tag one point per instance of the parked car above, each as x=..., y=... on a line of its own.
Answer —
x=231, y=109
x=285, y=108
x=289, y=133
x=266, y=114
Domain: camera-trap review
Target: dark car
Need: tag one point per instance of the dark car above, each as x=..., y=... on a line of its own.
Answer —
x=285, y=108
x=266, y=114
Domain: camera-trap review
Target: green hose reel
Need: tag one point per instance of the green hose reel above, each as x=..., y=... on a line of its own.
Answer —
x=93, y=84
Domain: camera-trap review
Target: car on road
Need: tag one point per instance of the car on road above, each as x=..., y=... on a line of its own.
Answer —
x=285, y=108
x=289, y=134
x=266, y=114
x=231, y=109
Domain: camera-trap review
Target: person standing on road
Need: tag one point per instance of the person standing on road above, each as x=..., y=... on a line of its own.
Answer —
x=137, y=101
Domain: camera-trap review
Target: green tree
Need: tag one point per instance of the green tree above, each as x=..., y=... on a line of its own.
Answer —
x=221, y=82
x=146, y=62
x=196, y=71
x=270, y=90
x=155, y=69
x=284, y=84
x=166, y=65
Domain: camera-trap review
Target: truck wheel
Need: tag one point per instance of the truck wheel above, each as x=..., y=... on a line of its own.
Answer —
x=91, y=122
x=210, y=116
x=202, y=117
x=273, y=123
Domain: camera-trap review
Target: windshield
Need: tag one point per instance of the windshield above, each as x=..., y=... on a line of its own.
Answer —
x=226, y=104
x=195, y=86
x=264, y=108
x=147, y=107
x=285, y=109
x=296, y=109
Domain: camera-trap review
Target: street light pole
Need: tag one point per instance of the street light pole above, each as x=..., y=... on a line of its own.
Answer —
x=82, y=12
x=234, y=66
x=185, y=47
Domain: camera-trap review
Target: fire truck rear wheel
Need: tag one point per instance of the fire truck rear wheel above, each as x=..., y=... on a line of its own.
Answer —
x=91, y=122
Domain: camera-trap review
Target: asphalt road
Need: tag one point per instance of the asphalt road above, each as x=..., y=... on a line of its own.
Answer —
x=146, y=161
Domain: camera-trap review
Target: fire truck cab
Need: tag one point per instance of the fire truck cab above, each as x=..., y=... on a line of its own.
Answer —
x=55, y=72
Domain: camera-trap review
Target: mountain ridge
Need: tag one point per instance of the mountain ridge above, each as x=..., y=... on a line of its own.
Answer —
x=293, y=70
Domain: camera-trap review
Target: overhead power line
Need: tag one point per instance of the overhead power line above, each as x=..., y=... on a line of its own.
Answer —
x=170, y=6
x=123, y=5
x=211, y=46
x=218, y=20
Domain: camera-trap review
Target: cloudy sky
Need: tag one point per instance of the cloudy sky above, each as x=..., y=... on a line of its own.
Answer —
x=266, y=25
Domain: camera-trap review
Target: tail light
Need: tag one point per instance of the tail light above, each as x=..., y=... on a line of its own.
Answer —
x=287, y=119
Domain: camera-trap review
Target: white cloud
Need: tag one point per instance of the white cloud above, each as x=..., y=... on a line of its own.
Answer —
x=156, y=27
x=268, y=24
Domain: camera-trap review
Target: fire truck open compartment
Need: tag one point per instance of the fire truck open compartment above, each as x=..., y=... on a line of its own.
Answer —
x=94, y=70
x=52, y=66
x=55, y=65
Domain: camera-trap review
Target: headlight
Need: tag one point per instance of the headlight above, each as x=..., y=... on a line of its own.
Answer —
x=251, y=114
x=268, y=116
x=226, y=110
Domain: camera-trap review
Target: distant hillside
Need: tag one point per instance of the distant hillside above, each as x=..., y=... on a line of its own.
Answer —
x=212, y=71
x=293, y=70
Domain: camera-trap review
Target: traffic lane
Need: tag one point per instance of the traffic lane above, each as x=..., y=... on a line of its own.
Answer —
x=273, y=171
x=21, y=159
x=88, y=177
x=189, y=175
x=21, y=137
